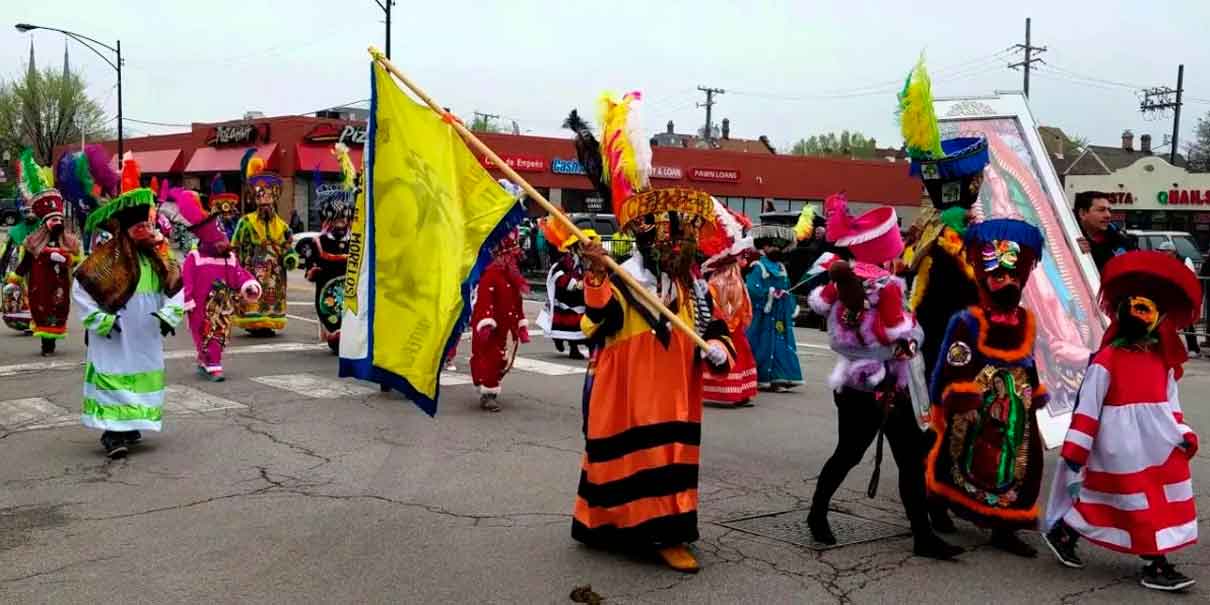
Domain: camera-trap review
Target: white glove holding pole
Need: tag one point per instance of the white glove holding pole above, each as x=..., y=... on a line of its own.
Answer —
x=716, y=355
x=58, y=258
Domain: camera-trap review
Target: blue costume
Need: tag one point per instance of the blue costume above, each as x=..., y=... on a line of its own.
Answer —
x=772, y=329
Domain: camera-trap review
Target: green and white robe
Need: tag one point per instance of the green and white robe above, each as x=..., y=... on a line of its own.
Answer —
x=124, y=363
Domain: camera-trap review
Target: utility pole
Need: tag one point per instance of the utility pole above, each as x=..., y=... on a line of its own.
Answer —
x=1028, y=63
x=386, y=5
x=710, y=92
x=1162, y=98
x=486, y=117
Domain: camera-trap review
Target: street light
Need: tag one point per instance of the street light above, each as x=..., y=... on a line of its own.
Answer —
x=85, y=41
x=386, y=5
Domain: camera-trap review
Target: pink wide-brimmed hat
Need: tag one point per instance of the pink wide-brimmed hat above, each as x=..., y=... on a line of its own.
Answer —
x=872, y=237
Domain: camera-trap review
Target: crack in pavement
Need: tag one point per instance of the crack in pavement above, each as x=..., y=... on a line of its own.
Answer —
x=56, y=570
x=1075, y=597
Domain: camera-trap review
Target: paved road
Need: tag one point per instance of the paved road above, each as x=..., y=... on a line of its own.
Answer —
x=287, y=485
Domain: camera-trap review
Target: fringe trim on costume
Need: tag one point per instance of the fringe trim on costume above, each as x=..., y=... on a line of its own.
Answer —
x=1025, y=349
x=817, y=302
x=486, y=322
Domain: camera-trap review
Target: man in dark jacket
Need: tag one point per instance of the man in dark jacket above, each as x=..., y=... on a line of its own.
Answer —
x=1100, y=236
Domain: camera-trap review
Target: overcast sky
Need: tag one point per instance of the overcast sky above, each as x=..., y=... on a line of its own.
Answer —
x=791, y=69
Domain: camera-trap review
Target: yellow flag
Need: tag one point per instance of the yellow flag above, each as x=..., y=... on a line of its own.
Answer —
x=432, y=214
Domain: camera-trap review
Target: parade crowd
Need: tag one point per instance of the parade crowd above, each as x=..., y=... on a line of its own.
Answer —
x=934, y=350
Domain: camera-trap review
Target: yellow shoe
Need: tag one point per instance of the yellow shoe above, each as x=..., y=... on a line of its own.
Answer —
x=680, y=558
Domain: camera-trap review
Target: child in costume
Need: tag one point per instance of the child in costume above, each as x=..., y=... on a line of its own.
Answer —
x=560, y=317
x=874, y=338
x=214, y=282
x=1124, y=480
x=51, y=251
x=643, y=391
x=727, y=249
x=774, y=309
x=262, y=242
x=325, y=267
x=499, y=321
x=986, y=461
x=129, y=297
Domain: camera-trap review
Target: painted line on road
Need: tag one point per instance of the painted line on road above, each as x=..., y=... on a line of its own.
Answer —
x=301, y=318
x=33, y=413
x=43, y=366
x=195, y=401
x=314, y=387
x=814, y=346
x=546, y=368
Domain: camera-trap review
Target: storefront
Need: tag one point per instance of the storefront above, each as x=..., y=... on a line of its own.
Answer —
x=300, y=149
x=1154, y=195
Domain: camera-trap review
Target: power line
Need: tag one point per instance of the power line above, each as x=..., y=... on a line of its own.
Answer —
x=709, y=105
x=1027, y=64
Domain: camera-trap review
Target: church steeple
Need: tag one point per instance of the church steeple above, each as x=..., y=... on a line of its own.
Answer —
x=66, y=64
x=33, y=69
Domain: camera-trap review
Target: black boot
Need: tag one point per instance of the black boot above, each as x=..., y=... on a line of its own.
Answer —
x=931, y=546
x=1008, y=541
x=1159, y=574
x=558, y=345
x=575, y=351
x=114, y=444
x=1061, y=541
x=48, y=347
x=940, y=519
x=132, y=437
x=821, y=530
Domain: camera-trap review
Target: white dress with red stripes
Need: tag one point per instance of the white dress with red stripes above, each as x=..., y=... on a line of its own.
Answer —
x=1136, y=495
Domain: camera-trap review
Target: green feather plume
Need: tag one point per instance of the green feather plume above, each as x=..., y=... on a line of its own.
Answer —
x=35, y=179
x=917, y=118
x=84, y=175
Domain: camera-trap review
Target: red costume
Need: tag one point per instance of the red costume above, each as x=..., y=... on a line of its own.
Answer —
x=727, y=249
x=1125, y=482
x=498, y=321
x=50, y=253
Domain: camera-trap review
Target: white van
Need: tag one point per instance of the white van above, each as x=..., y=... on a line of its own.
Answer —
x=1184, y=243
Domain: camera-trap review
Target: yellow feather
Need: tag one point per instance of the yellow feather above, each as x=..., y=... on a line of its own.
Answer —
x=917, y=117
x=617, y=150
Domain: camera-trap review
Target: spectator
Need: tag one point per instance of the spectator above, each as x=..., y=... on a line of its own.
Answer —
x=296, y=222
x=1100, y=237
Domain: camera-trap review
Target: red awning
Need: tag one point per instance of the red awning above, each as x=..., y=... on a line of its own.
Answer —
x=312, y=157
x=212, y=159
x=160, y=161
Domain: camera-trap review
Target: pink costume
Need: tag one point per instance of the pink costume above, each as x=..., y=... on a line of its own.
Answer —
x=214, y=281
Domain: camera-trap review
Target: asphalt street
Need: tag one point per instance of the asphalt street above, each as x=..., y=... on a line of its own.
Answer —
x=285, y=484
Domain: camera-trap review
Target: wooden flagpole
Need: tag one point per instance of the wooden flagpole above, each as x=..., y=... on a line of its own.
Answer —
x=481, y=147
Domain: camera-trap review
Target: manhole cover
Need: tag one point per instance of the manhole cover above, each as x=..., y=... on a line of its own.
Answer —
x=791, y=526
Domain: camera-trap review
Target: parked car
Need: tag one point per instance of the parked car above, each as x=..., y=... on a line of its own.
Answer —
x=10, y=211
x=1184, y=243
x=606, y=226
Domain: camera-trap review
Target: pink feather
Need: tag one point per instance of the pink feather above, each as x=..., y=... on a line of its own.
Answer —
x=188, y=206
x=837, y=207
x=102, y=173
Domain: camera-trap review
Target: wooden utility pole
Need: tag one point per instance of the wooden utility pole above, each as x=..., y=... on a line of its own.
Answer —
x=1027, y=64
x=1162, y=98
x=710, y=92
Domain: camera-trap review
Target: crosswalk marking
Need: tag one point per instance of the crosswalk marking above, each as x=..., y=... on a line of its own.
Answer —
x=280, y=347
x=450, y=379
x=314, y=387
x=547, y=368
x=194, y=400
x=32, y=413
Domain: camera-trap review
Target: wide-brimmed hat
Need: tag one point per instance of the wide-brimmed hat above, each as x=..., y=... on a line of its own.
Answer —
x=872, y=237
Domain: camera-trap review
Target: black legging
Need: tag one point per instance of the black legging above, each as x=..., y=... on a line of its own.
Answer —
x=859, y=414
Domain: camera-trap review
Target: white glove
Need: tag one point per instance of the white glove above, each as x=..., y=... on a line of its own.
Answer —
x=58, y=258
x=716, y=355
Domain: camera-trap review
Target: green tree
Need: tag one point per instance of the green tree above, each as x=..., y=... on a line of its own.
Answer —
x=1197, y=151
x=482, y=123
x=846, y=144
x=44, y=109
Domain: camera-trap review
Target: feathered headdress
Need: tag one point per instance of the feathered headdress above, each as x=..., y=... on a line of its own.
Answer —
x=32, y=179
x=84, y=177
x=65, y=177
x=588, y=152
x=917, y=118
x=624, y=147
x=724, y=239
x=184, y=206
x=805, y=226
x=348, y=173
x=102, y=173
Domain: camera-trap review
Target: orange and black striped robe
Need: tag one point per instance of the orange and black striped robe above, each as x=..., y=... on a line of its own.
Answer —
x=643, y=413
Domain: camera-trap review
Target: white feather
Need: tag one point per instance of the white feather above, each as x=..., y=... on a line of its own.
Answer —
x=639, y=141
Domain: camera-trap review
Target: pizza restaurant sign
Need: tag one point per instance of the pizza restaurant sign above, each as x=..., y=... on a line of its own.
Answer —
x=353, y=135
x=1183, y=197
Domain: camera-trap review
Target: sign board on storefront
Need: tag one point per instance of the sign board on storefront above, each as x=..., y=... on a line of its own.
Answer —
x=1120, y=198
x=671, y=173
x=238, y=134
x=353, y=135
x=594, y=203
x=520, y=163
x=722, y=175
x=1183, y=197
x=561, y=166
